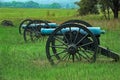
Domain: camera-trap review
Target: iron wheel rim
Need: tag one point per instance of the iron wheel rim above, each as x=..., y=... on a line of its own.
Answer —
x=26, y=22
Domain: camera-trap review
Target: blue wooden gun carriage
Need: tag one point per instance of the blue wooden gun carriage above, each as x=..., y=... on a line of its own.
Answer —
x=73, y=40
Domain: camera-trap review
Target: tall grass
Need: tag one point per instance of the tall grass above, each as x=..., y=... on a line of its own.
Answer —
x=27, y=61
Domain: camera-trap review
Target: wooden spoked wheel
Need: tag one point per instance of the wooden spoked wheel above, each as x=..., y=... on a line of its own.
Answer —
x=71, y=43
x=23, y=24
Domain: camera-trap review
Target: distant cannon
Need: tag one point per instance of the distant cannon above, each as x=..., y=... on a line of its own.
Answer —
x=27, y=22
x=72, y=41
x=7, y=23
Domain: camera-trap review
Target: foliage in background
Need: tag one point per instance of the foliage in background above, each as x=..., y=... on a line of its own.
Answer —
x=87, y=7
x=105, y=9
x=114, y=5
x=55, y=5
x=32, y=4
x=29, y=4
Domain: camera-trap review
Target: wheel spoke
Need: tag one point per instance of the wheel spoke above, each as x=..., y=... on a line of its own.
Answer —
x=87, y=44
x=78, y=58
x=90, y=52
x=85, y=51
x=66, y=57
x=76, y=36
x=85, y=54
x=28, y=35
x=61, y=47
x=82, y=39
x=65, y=37
x=64, y=51
x=84, y=57
x=70, y=34
x=32, y=35
x=73, y=57
x=69, y=57
x=35, y=38
x=59, y=40
x=62, y=58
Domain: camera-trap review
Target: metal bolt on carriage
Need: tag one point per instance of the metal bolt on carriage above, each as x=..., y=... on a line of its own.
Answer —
x=71, y=41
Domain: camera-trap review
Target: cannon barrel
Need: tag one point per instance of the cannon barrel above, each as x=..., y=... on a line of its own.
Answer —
x=51, y=25
x=95, y=30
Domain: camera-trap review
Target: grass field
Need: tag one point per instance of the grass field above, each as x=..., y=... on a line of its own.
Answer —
x=27, y=61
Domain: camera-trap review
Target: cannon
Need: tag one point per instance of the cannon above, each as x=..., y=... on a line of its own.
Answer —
x=35, y=25
x=71, y=41
x=26, y=22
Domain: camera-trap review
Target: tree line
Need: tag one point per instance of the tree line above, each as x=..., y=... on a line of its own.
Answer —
x=97, y=6
x=29, y=4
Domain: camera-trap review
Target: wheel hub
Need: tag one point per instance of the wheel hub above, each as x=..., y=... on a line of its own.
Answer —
x=72, y=49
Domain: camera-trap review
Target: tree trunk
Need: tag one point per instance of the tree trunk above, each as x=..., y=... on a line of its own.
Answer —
x=108, y=12
x=116, y=8
x=115, y=14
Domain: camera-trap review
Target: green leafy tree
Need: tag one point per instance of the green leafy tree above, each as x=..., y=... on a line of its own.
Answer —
x=0, y=4
x=55, y=5
x=6, y=4
x=105, y=8
x=31, y=4
x=87, y=7
x=114, y=5
x=17, y=4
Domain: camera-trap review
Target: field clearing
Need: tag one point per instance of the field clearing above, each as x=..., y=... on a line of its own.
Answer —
x=27, y=61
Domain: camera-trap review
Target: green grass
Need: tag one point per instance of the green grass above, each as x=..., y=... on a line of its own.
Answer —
x=18, y=15
x=27, y=61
